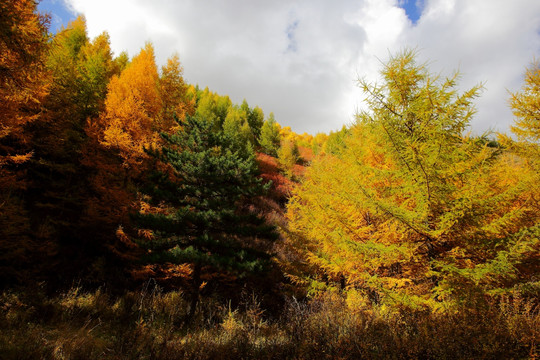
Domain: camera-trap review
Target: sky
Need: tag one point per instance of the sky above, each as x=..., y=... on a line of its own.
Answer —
x=301, y=59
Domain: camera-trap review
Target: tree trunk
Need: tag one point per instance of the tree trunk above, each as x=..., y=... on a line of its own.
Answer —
x=196, y=285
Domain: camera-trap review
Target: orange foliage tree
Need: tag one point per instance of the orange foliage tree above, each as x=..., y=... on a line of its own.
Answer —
x=117, y=138
x=23, y=46
x=132, y=106
x=23, y=87
x=139, y=105
x=59, y=189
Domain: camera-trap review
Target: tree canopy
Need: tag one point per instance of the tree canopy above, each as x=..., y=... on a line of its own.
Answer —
x=413, y=210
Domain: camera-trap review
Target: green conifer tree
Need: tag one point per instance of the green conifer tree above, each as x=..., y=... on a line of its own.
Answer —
x=207, y=223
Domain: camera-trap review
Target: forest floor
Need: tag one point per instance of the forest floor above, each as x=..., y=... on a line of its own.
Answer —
x=150, y=324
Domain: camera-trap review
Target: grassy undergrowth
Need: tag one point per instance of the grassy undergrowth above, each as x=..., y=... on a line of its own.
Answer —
x=150, y=324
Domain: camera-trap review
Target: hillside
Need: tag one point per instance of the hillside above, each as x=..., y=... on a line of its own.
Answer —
x=142, y=217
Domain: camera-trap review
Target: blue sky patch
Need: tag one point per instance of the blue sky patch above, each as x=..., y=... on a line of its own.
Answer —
x=61, y=15
x=413, y=8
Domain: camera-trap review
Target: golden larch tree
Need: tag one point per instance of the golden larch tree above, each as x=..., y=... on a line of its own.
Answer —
x=413, y=211
x=132, y=106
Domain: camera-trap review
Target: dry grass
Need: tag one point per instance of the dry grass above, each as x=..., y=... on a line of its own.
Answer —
x=150, y=325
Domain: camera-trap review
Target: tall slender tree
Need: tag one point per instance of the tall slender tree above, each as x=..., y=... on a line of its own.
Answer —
x=132, y=108
x=173, y=91
x=236, y=128
x=130, y=120
x=24, y=85
x=23, y=49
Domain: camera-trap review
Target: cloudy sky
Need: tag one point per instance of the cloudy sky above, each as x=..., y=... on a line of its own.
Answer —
x=300, y=59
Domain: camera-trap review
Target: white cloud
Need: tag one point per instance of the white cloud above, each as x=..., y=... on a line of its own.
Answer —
x=300, y=59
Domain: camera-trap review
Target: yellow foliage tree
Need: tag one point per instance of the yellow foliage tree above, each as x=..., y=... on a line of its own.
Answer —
x=412, y=211
x=288, y=156
x=173, y=91
x=132, y=106
x=128, y=124
x=211, y=106
x=23, y=47
x=526, y=107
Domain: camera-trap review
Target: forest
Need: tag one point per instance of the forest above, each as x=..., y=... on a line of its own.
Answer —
x=143, y=217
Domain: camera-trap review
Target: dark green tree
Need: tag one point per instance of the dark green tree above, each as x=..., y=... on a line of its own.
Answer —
x=205, y=218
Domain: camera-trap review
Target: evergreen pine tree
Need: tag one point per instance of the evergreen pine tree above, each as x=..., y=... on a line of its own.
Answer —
x=206, y=221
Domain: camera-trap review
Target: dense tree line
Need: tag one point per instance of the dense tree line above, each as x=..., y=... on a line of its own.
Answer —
x=115, y=172
x=78, y=125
